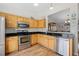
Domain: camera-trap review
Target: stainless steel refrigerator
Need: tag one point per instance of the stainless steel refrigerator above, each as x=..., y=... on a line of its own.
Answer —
x=2, y=36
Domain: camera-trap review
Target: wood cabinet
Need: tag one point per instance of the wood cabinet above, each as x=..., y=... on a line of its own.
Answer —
x=42, y=40
x=34, y=39
x=41, y=23
x=47, y=41
x=11, y=44
x=3, y=14
x=11, y=21
x=70, y=47
x=32, y=23
x=20, y=19
x=26, y=20
x=52, y=42
x=66, y=46
x=35, y=24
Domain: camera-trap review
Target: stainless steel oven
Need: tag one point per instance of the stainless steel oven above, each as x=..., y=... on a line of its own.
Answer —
x=24, y=39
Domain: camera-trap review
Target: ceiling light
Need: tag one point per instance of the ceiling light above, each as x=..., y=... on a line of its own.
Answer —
x=51, y=8
x=69, y=21
x=65, y=21
x=36, y=4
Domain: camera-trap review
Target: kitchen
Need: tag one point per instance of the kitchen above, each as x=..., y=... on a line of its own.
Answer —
x=27, y=36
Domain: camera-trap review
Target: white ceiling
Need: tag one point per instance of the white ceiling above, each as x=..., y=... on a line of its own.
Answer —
x=28, y=10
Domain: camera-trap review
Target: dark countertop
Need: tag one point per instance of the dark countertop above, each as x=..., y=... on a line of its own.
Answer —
x=30, y=33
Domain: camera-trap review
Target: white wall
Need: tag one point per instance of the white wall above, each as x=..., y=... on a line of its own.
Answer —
x=74, y=26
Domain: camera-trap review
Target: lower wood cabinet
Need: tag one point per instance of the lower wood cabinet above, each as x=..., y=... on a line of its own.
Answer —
x=70, y=47
x=47, y=41
x=43, y=40
x=11, y=44
x=34, y=39
x=52, y=42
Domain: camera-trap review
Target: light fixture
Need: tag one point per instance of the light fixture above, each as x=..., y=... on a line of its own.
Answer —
x=51, y=6
x=68, y=19
x=65, y=21
x=36, y=4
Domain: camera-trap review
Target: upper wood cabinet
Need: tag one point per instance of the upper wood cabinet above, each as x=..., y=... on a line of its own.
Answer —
x=32, y=23
x=11, y=21
x=41, y=23
x=26, y=20
x=3, y=14
x=20, y=19
x=35, y=24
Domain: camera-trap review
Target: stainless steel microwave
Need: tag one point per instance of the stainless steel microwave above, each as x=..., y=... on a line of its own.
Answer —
x=22, y=25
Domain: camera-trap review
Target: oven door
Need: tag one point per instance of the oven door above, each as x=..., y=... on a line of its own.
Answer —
x=24, y=42
x=23, y=39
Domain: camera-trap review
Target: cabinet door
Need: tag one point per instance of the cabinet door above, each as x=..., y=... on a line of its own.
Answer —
x=52, y=43
x=41, y=23
x=2, y=14
x=32, y=23
x=71, y=47
x=43, y=40
x=26, y=20
x=11, y=44
x=20, y=19
x=33, y=39
x=39, y=39
x=11, y=21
